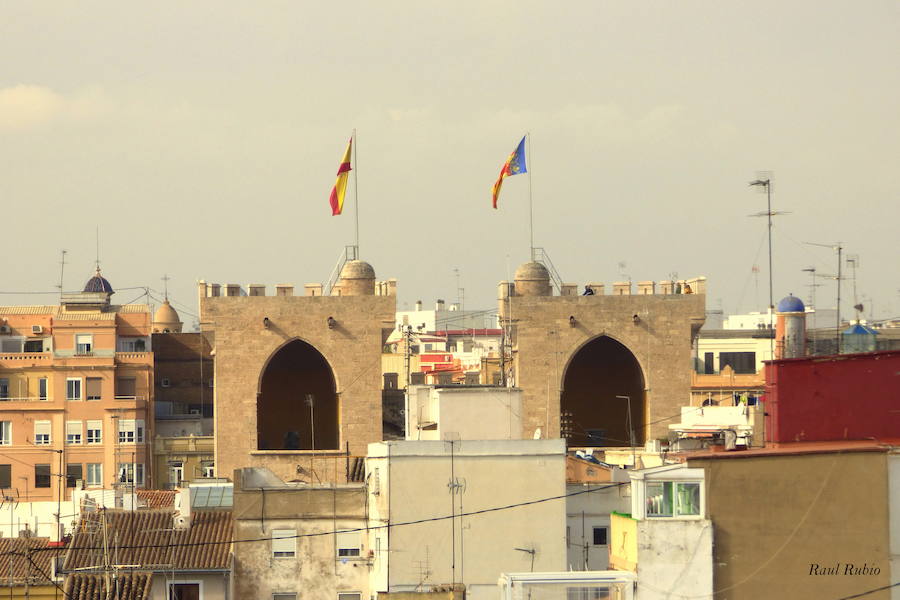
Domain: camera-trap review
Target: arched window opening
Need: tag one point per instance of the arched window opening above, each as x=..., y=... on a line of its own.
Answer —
x=593, y=412
x=297, y=407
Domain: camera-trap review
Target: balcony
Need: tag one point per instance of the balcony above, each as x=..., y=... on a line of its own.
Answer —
x=135, y=358
x=12, y=360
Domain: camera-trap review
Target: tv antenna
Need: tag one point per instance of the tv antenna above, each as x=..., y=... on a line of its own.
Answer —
x=62, y=268
x=837, y=247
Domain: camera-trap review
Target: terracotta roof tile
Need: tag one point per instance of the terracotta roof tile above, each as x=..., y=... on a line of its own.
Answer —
x=157, y=498
x=22, y=569
x=92, y=586
x=147, y=538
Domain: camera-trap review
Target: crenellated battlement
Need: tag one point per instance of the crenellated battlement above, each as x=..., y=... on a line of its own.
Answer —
x=534, y=287
x=219, y=290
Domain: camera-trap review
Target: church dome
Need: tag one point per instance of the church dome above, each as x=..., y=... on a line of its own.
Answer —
x=166, y=319
x=98, y=283
x=790, y=304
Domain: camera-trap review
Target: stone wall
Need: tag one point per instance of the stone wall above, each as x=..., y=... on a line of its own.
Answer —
x=244, y=343
x=548, y=331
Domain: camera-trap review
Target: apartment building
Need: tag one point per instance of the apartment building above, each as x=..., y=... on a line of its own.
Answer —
x=76, y=395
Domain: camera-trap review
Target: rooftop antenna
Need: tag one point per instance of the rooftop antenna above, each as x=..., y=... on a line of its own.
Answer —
x=764, y=180
x=812, y=285
x=839, y=249
x=62, y=267
x=853, y=262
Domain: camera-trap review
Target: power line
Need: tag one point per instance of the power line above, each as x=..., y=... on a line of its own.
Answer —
x=358, y=529
x=872, y=591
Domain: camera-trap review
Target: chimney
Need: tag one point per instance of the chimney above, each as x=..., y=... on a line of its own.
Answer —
x=418, y=305
x=182, y=515
x=439, y=305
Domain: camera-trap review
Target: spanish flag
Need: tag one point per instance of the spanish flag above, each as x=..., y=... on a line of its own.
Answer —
x=340, y=186
x=514, y=165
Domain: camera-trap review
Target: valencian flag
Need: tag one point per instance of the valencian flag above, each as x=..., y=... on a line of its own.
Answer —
x=514, y=165
x=340, y=186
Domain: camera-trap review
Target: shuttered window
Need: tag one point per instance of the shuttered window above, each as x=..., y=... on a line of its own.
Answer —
x=92, y=388
x=42, y=433
x=73, y=432
x=284, y=543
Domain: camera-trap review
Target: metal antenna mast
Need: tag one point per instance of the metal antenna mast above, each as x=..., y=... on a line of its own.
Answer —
x=62, y=268
x=765, y=180
x=840, y=249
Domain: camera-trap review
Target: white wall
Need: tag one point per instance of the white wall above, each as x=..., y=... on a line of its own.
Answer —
x=413, y=485
x=674, y=559
x=466, y=413
x=761, y=346
x=586, y=511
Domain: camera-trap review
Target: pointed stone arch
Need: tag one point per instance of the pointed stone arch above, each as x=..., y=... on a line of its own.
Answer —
x=599, y=371
x=284, y=420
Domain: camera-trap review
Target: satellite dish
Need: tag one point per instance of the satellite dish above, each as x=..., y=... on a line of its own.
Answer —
x=537, y=434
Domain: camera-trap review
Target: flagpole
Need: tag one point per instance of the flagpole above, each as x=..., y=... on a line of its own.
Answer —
x=530, y=165
x=356, y=191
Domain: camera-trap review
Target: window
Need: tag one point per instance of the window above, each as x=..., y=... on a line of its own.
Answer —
x=73, y=432
x=600, y=536
x=184, y=591
x=34, y=345
x=92, y=388
x=741, y=362
x=95, y=432
x=42, y=388
x=284, y=596
x=41, y=476
x=4, y=389
x=284, y=543
x=131, y=431
x=11, y=345
x=348, y=544
x=94, y=474
x=5, y=433
x=5, y=476
x=125, y=387
x=73, y=388
x=176, y=472
x=673, y=499
x=207, y=468
x=42, y=433
x=349, y=596
x=127, y=473
x=84, y=343
x=73, y=474
x=133, y=344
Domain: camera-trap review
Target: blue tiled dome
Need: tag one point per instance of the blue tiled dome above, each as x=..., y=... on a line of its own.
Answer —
x=790, y=304
x=98, y=284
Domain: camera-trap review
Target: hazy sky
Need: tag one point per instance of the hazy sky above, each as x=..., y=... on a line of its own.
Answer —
x=203, y=139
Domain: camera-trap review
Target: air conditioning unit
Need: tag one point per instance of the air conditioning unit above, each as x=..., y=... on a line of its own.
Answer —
x=5, y=329
x=195, y=411
x=164, y=382
x=37, y=329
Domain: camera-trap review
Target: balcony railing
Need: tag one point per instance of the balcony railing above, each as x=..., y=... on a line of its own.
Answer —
x=24, y=399
x=130, y=398
x=25, y=356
